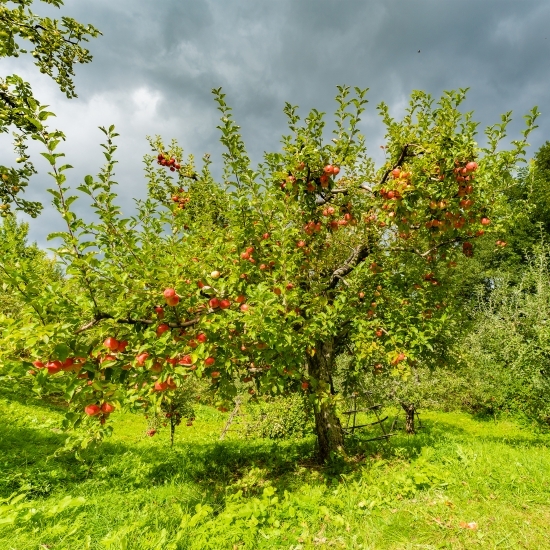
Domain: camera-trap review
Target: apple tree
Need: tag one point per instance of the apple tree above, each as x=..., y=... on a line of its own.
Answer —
x=259, y=281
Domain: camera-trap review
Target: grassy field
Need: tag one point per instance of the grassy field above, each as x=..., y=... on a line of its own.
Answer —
x=460, y=483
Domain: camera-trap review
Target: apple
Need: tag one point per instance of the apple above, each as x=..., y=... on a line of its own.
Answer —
x=485, y=221
x=122, y=345
x=396, y=172
x=169, y=293
x=300, y=244
x=111, y=343
x=173, y=301
x=107, y=408
x=250, y=250
x=157, y=367
x=289, y=286
x=92, y=410
x=202, y=338
x=172, y=360
x=215, y=274
x=335, y=170
x=245, y=307
x=192, y=344
x=328, y=169
x=305, y=385
x=160, y=386
x=160, y=312
x=240, y=299
x=54, y=367
x=67, y=364
x=214, y=303
x=186, y=360
x=225, y=303
x=471, y=166
x=161, y=329
x=245, y=255
x=277, y=291
x=331, y=210
x=141, y=358
x=39, y=364
x=265, y=236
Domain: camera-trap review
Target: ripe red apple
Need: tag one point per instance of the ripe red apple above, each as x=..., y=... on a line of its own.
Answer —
x=245, y=307
x=330, y=210
x=396, y=172
x=289, y=286
x=214, y=303
x=92, y=410
x=202, y=338
x=335, y=170
x=300, y=244
x=141, y=358
x=160, y=386
x=485, y=221
x=172, y=360
x=328, y=169
x=263, y=267
x=471, y=166
x=265, y=236
x=111, y=343
x=215, y=374
x=240, y=299
x=186, y=360
x=225, y=303
x=107, y=408
x=209, y=361
x=161, y=329
x=324, y=180
x=67, y=365
x=305, y=385
x=245, y=255
x=39, y=364
x=160, y=312
x=54, y=367
x=169, y=293
x=151, y=433
x=250, y=250
x=174, y=301
x=122, y=345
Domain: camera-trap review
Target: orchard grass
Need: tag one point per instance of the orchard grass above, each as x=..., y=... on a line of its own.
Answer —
x=133, y=491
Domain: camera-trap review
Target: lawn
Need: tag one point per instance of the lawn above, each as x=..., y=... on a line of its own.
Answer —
x=460, y=483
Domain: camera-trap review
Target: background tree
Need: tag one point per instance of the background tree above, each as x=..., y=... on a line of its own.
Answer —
x=264, y=279
x=56, y=46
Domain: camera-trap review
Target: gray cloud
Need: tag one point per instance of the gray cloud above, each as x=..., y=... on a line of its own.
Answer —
x=155, y=66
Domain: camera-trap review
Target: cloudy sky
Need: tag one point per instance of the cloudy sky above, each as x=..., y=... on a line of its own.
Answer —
x=157, y=61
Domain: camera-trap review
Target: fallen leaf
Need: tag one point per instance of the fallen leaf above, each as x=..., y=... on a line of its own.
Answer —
x=472, y=525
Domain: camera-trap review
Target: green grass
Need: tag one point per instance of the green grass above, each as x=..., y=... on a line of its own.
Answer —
x=135, y=492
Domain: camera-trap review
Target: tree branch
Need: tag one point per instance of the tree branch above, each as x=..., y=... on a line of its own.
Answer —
x=357, y=255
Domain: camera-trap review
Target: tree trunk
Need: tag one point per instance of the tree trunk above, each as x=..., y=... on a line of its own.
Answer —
x=330, y=436
x=410, y=411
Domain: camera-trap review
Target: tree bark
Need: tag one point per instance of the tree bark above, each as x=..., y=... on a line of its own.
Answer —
x=410, y=411
x=330, y=436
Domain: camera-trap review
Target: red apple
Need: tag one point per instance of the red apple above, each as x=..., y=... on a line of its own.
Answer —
x=160, y=312
x=169, y=293
x=245, y=307
x=186, y=360
x=305, y=385
x=107, y=408
x=209, y=361
x=174, y=301
x=111, y=343
x=300, y=244
x=92, y=410
x=289, y=286
x=240, y=299
x=161, y=329
x=160, y=386
x=225, y=303
x=39, y=364
x=122, y=345
x=214, y=303
x=54, y=367
x=202, y=338
x=141, y=358
x=328, y=169
x=265, y=236
x=485, y=221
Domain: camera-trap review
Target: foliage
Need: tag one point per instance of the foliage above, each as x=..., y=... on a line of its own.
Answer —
x=56, y=46
x=507, y=353
x=25, y=269
x=263, y=279
x=279, y=418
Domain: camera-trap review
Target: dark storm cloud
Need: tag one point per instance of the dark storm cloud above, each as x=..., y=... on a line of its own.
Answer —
x=155, y=66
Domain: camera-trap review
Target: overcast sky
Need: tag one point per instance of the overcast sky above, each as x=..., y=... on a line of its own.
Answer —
x=157, y=61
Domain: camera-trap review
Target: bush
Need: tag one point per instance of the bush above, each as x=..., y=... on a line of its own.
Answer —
x=279, y=418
